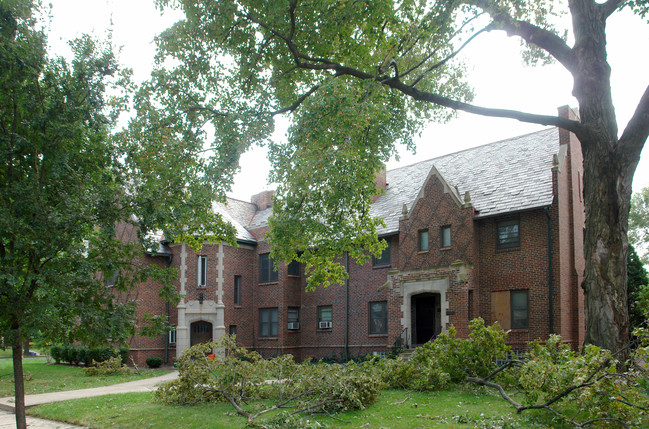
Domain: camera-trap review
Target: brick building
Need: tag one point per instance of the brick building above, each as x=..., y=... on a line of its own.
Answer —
x=494, y=231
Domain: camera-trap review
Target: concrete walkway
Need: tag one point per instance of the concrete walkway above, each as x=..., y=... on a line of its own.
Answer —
x=8, y=420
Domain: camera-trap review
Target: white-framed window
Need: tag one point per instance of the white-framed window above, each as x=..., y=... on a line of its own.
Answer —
x=172, y=335
x=201, y=273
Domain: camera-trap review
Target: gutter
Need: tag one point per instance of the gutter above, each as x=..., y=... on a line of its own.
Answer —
x=550, y=272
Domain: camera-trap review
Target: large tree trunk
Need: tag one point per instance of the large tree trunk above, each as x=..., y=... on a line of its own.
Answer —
x=608, y=175
x=607, y=193
x=19, y=382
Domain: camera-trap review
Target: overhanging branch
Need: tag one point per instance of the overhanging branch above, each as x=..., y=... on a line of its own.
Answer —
x=532, y=34
x=637, y=131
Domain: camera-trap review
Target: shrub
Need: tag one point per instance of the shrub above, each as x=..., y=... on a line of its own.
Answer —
x=109, y=367
x=154, y=362
x=56, y=353
x=124, y=354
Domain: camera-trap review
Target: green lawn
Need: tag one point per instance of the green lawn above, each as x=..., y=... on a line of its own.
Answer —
x=6, y=353
x=41, y=377
x=395, y=409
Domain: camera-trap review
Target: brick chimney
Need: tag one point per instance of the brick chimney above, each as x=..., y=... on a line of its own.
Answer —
x=263, y=200
x=568, y=113
x=381, y=182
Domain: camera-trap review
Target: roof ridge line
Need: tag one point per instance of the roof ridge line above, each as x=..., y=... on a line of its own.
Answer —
x=473, y=148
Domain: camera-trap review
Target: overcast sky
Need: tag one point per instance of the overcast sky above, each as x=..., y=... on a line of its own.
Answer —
x=495, y=69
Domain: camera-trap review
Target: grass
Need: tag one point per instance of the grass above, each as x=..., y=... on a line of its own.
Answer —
x=459, y=408
x=42, y=377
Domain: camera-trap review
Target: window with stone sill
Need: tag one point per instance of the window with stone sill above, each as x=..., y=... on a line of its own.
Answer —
x=268, y=322
x=445, y=236
x=423, y=240
x=201, y=272
x=378, y=318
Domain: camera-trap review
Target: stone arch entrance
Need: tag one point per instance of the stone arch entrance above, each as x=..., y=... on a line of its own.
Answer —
x=425, y=312
x=425, y=304
x=200, y=332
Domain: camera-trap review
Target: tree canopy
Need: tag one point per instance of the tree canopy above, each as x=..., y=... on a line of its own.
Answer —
x=359, y=77
x=639, y=223
x=67, y=180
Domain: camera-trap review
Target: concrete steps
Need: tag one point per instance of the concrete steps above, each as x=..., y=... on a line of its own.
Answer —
x=407, y=354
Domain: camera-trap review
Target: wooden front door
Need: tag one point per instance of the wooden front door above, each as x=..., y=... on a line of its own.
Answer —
x=201, y=332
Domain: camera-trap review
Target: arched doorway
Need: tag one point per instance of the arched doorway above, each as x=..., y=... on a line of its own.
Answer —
x=200, y=332
x=425, y=311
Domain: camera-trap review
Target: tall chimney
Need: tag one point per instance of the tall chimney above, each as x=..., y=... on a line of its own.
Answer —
x=380, y=181
x=263, y=200
x=566, y=112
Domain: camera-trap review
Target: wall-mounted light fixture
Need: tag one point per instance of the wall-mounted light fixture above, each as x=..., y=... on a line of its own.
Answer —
x=200, y=298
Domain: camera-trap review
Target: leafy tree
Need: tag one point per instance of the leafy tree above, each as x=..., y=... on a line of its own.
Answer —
x=638, y=286
x=639, y=223
x=359, y=77
x=66, y=182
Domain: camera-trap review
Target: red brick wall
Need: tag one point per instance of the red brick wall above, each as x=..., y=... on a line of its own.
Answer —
x=525, y=267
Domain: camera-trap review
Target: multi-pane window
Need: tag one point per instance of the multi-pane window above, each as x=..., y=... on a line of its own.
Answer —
x=508, y=234
x=519, y=308
x=201, y=274
x=267, y=272
x=293, y=318
x=294, y=269
x=510, y=309
x=385, y=258
x=268, y=322
x=378, y=318
x=423, y=240
x=237, y=290
x=445, y=236
x=325, y=317
x=172, y=335
x=232, y=330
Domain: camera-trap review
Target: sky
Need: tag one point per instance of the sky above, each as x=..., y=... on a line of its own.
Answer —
x=495, y=71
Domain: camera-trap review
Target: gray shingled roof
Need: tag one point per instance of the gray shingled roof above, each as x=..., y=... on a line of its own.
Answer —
x=239, y=214
x=502, y=177
x=506, y=176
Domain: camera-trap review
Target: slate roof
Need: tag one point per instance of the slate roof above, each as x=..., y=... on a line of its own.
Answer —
x=502, y=177
x=238, y=213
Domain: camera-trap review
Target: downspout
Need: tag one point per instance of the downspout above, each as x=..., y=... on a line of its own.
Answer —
x=171, y=257
x=550, y=272
x=347, y=307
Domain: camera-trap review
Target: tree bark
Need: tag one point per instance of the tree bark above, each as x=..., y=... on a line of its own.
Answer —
x=19, y=382
x=607, y=194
